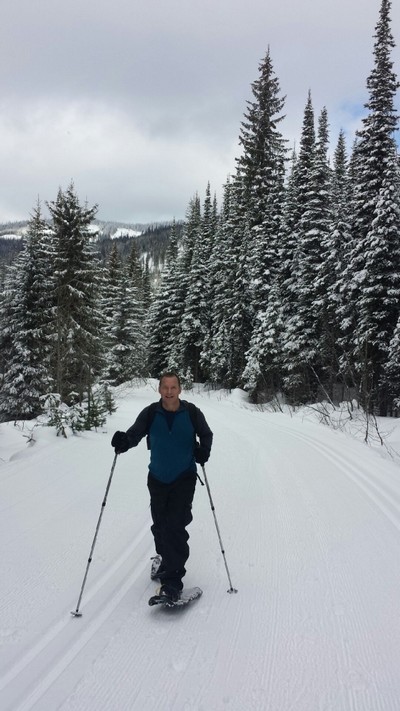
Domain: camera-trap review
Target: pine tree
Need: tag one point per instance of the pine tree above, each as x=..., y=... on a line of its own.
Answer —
x=26, y=324
x=214, y=355
x=373, y=273
x=239, y=317
x=294, y=279
x=267, y=155
x=177, y=357
x=223, y=356
x=260, y=168
x=315, y=245
x=264, y=368
x=392, y=372
x=162, y=313
x=135, y=273
x=195, y=322
x=76, y=359
x=256, y=201
x=111, y=278
x=147, y=286
x=334, y=261
x=120, y=326
x=125, y=333
x=306, y=335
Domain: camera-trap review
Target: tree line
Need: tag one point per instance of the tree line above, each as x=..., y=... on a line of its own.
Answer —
x=294, y=289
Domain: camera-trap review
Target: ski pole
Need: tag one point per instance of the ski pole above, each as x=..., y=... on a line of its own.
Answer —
x=76, y=613
x=231, y=588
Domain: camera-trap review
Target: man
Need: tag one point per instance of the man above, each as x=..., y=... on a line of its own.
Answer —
x=171, y=425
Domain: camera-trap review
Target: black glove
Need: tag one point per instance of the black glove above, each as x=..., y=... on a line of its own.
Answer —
x=200, y=455
x=120, y=442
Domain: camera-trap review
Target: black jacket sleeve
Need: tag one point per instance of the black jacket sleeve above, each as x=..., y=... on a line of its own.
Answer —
x=138, y=430
x=204, y=434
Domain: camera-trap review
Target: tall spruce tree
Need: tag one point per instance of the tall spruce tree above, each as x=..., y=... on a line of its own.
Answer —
x=373, y=273
x=177, y=356
x=195, y=321
x=135, y=273
x=230, y=328
x=264, y=368
x=256, y=200
x=76, y=359
x=216, y=350
x=334, y=260
x=261, y=164
x=163, y=312
x=263, y=169
x=125, y=333
x=303, y=332
x=297, y=228
x=111, y=278
x=317, y=228
x=26, y=324
x=123, y=318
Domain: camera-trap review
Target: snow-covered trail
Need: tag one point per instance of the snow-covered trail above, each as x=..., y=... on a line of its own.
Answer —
x=310, y=522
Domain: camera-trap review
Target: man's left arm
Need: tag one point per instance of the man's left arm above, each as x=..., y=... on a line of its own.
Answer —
x=202, y=451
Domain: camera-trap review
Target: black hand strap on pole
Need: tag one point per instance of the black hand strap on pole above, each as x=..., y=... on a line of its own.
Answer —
x=76, y=613
x=231, y=588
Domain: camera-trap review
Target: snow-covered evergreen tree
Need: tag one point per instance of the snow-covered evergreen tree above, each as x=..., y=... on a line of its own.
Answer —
x=334, y=260
x=177, y=356
x=392, y=373
x=76, y=358
x=306, y=336
x=135, y=274
x=247, y=235
x=25, y=325
x=126, y=343
x=373, y=274
x=111, y=278
x=295, y=275
x=195, y=322
x=264, y=367
x=262, y=167
x=214, y=355
x=163, y=314
x=124, y=336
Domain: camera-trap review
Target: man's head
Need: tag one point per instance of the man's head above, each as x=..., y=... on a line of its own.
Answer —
x=170, y=389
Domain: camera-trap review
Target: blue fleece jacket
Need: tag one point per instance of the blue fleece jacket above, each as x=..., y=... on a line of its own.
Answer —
x=171, y=445
x=171, y=440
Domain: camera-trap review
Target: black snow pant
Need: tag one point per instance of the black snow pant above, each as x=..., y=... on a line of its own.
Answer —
x=171, y=511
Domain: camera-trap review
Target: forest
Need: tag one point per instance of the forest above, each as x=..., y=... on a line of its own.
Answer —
x=290, y=289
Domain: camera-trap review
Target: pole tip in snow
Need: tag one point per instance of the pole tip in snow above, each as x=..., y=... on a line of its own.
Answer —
x=231, y=590
x=76, y=613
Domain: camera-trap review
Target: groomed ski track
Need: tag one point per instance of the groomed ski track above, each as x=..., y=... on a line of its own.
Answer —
x=310, y=521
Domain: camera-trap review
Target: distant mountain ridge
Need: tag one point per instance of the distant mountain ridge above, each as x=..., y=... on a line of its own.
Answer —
x=16, y=230
x=151, y=240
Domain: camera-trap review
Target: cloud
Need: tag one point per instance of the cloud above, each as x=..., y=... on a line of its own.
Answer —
x=140, y=101
x=113, y=161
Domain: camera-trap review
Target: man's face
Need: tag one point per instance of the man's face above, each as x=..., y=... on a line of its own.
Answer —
x=169, y=390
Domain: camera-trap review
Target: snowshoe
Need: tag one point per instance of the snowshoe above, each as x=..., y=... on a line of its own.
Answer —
x=184, y=597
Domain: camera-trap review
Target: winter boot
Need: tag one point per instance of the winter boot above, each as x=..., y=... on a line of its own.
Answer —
x=169, y=593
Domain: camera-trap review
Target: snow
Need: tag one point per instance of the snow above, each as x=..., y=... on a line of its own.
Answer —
x=12, y=235
x=310, y=523
x=125, y=232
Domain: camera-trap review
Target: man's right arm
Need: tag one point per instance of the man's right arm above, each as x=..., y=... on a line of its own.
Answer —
x=139, y=428
x=122, y=441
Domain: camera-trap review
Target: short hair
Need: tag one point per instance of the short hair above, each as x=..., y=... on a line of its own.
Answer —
x=170, y=374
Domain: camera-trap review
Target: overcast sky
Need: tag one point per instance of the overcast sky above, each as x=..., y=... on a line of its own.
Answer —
x=139, y=102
